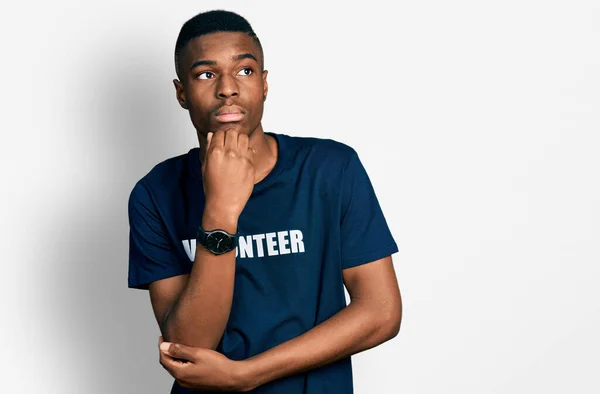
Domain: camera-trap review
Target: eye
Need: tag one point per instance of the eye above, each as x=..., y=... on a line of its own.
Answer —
x=245, y=71
x=205, y=75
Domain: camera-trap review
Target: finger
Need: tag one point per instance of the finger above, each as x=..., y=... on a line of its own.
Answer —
x=177, y=369
x=177, y=350
x=231, y=138
x=160, y=354
x=208, y=138
x=242, y=142
x=218, y=138
x=171, y=362
x=251, y=154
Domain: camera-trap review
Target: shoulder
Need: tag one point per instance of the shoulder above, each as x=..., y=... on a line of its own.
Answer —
x=323, y=151
x=162, y=177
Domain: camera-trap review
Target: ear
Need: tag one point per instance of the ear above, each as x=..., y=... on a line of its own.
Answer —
x=180, y=93
x=265, y=84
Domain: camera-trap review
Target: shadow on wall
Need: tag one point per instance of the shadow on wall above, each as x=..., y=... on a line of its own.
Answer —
x=131, y=123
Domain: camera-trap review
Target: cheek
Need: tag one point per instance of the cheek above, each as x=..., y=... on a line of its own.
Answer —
x=256, y=99
x=200, y=95
x=199, y=116
x=256, y=109
x=200, y=106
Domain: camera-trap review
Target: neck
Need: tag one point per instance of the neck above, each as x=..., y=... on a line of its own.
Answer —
x=266, y=153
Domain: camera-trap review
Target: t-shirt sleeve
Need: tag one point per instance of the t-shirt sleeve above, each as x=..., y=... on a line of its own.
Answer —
x=151, y=254
x=365, y=235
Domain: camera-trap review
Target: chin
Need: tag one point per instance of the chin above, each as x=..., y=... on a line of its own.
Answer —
x=240, y=127
x=237, y=126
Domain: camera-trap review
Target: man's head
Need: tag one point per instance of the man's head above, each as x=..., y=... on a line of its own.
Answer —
x=220, y=66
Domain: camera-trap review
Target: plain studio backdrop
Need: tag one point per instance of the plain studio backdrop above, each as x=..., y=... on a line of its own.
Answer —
x=478, y=123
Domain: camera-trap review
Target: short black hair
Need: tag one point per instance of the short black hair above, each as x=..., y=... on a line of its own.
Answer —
x=212, y=22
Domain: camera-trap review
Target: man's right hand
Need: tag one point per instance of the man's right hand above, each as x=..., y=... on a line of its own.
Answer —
x=227, y=177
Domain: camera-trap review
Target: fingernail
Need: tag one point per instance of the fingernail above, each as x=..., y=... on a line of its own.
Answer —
x=165, y=346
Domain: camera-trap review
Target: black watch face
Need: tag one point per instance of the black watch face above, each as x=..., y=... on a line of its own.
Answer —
x=219, y=242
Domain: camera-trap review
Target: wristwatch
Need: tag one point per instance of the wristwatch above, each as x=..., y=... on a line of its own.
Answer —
x=216, y=241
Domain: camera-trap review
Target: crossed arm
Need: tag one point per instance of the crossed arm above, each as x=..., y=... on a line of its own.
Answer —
x=372, y=317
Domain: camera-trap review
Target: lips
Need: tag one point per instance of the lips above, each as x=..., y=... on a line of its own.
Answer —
x=228, y=114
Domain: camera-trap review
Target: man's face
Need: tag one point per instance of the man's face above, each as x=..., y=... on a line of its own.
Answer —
x=222, y=82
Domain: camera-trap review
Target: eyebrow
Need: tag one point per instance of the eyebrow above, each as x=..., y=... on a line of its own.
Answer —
x=245, y=56
x=214, y=63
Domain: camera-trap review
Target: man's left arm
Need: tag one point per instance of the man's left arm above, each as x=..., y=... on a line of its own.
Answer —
x=372, y=317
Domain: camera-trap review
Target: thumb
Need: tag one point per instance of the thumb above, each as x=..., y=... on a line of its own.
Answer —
x=208, y=139
x=177, y=350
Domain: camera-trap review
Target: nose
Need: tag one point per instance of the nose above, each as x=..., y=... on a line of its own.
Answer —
x=227, y=87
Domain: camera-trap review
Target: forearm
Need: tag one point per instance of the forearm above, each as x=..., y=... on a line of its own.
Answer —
x=200, y=314
x=358, y=327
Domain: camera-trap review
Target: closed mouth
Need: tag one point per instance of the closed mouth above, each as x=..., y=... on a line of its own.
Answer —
x=229, y=114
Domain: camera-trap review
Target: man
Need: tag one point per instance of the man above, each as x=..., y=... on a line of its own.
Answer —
x=246, y=243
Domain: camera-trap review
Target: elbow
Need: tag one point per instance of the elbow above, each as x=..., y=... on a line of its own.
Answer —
x=172, y=333
x=164, y=327
x=390, y=322
x=394, y=327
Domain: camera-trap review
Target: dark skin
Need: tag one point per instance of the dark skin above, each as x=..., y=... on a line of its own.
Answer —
x=212, y=78
x=223, y=86
x=223, y=72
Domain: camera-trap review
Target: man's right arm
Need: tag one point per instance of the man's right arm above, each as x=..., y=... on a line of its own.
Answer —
x=193, y=309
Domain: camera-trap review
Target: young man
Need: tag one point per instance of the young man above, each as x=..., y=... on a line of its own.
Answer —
x=246, y=243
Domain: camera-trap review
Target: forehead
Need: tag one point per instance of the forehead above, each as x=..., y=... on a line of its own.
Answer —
x=221, y=47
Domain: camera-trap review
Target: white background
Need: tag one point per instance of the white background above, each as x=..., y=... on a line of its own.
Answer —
x=478, y=122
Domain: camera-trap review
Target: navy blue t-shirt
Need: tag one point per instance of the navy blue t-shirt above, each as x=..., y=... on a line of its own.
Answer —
x=314, y=215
